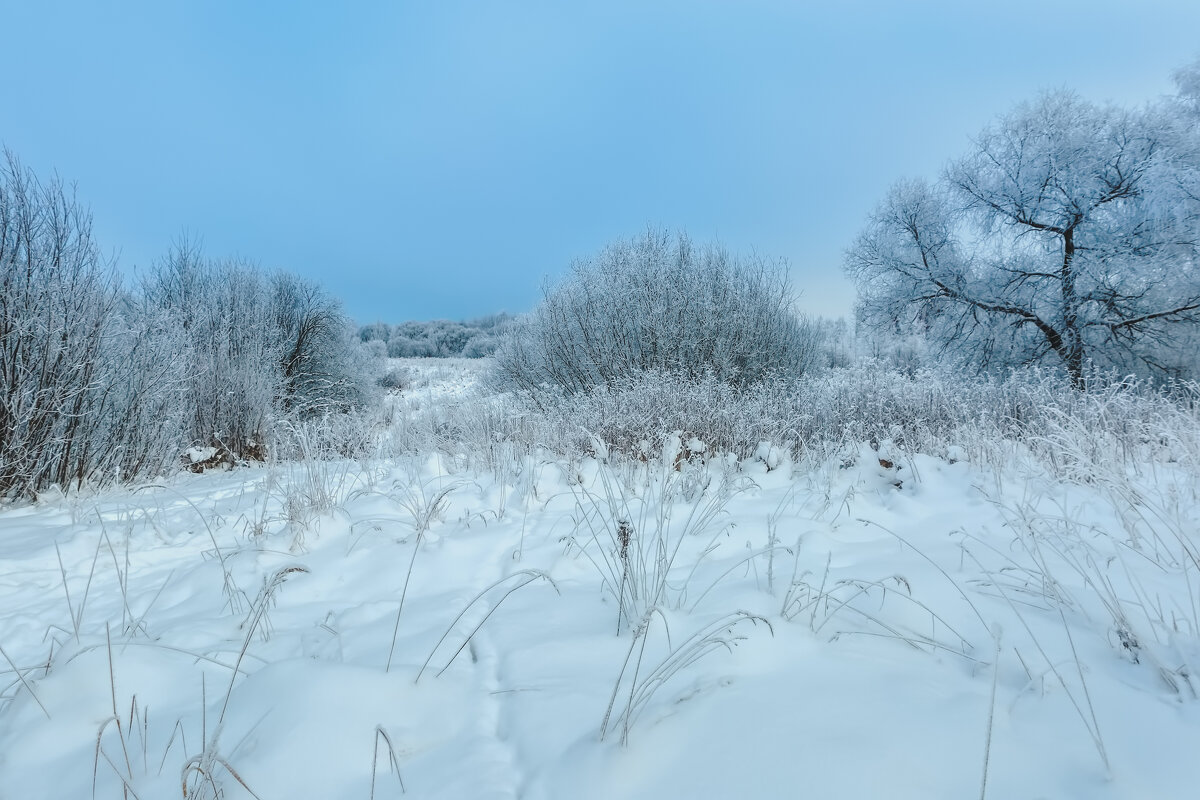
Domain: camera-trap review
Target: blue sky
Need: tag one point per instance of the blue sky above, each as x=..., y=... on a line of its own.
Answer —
x=440, y=159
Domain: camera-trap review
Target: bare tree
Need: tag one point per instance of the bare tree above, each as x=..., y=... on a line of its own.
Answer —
x=258, y=348
x=321, y=358
x=89, y=386
x=1068, y=233
x=98, y=384
x=223, y=312
x=1187, y=80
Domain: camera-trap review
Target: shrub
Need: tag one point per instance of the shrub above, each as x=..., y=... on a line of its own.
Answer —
x=658, y=303
x=396, y=378
x=325, y=368
x=257, y=348
x=481, y=346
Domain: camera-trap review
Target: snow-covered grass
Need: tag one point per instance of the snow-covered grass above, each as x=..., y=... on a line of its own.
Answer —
x=907, y=588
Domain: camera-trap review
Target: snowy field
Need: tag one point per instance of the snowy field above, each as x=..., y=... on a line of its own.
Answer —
x=863, y=622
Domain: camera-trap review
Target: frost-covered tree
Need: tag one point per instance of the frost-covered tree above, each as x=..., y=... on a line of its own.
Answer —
x=141, y=399
x=258, y=347
x=1070, y=233
x=323, y=367
x=89, y=382
x=406, y=347
x=449, y=338
x=1187, y=80
x=56, y=295
x=375, y=332
x=101, y=384
x=659, y=303
x=481, y=345
x=232, y=357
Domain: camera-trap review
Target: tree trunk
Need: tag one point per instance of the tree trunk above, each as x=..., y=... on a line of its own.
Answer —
x=1072, y=352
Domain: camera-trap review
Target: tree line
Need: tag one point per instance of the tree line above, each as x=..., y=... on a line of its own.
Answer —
x=440, y=338
x=102, y=381
x=1067, y=236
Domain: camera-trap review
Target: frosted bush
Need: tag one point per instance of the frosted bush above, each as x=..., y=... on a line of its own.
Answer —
x=258, y=348
x=659, y=304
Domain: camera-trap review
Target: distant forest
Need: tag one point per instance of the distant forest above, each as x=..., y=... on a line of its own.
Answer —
x=439, y=338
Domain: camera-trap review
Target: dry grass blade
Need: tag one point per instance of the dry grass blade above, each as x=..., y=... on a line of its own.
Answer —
x=176, y=731
x=126, y=787
x=25, y=683
x=203, y=767
x=717, y=635
x=1091, y=726
x=638, y=636
x=403, y=594
x=116, y=720
x=234, y=595
x=159, y=646
x=77, y=613
x=768, y=551
x=256, y=618
x=634, y=540
x=987, y=744
x=936, y=566
x=394, y=762
x=229, y=768
x=424, y=510
x=96, y=755
x=528, y=576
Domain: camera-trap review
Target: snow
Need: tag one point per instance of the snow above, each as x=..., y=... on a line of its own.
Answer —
x=195, y=455
x=229, y=626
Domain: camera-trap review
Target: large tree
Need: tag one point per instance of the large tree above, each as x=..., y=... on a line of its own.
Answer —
x=1069, y=233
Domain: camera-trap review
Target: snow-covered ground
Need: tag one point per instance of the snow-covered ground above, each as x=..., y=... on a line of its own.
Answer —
x=880, y=623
